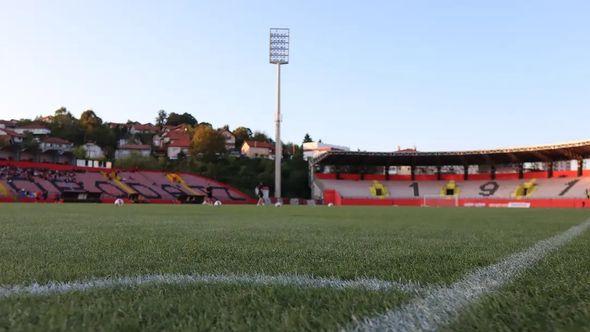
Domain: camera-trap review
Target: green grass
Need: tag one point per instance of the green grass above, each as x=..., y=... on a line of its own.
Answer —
x=40, y=243
x=553, y=296
x=202, y=307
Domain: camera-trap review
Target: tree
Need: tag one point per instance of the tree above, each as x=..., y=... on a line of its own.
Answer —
x=161, y=118
x=109, y=152
x=23, y=122
x=90, y=124
x=90, y=121
x=61, y=111
x=79, y=152
x=297, y=152
x=65, y=125
x=296, y=178
x=103, y=136
x=207, y=142
x=175, y=119
x=307, y=138
x=30, y=143
x=260, y=137
x=242, y=134
x=136, y=160
x=181, y=156
x=96, y=131
x=291, y=151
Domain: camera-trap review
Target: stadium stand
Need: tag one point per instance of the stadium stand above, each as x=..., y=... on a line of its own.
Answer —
x=548, y=188
x=29, y=181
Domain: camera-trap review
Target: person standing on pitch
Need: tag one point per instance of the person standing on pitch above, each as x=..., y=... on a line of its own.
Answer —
x=260, y=192
x=209, y=192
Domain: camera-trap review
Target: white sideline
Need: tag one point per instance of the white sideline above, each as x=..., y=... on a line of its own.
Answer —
x=300, y=281
x=440, y=306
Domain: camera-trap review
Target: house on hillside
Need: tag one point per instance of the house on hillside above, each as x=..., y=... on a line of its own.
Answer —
x=314, y=149
x=9, y=141
x=93, y=151
x=179, y=128
x=116, y=125
x=33, y=128
x=147, y=128
x=7, y=124
x=176, y=146
x=9, y=136
x=255, y=149
x=157, y=141
x=230, y=139
x=127, y=150
x=6, y=152
x=174, y=140
x=56, y=150
x=56, y=144
x=45, y=119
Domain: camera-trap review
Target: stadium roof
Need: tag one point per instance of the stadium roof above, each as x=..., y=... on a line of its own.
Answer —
x=541, y=153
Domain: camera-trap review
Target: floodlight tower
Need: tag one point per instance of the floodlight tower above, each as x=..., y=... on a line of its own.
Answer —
x=278, y=55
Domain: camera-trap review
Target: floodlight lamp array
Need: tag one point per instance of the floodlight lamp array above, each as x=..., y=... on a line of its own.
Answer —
x=279, y=46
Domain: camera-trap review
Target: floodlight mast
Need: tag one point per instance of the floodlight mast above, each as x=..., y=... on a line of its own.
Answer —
x=278, y=55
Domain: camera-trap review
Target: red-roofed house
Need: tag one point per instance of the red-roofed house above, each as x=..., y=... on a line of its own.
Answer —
x=147, y=128
x=127, y=150
x=7, y=124
x=55, y=143
x=178, y=145
x=33, y=128
x=45, y=119
x=116, y=125
x=10, y=136
x=53, y=150
x=174, y=140
x=255, y=149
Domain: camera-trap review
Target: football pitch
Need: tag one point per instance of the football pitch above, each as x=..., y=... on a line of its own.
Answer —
x=162, y=267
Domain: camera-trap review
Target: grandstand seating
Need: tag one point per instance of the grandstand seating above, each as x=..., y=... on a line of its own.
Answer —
x=26, y=180
x=363, y=191
x=553, y=175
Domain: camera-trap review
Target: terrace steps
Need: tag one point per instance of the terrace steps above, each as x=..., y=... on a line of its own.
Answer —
x=4, y=191
x=117, y=181
x=526, y=189
x=176, y=178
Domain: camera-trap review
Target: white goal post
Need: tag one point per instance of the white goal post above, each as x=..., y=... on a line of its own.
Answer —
x=438, y=201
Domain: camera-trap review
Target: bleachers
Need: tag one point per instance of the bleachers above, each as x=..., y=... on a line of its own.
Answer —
x=145, y=185
x=96, y=182
x=220, y=191
x=26, y=181
x=537, y=188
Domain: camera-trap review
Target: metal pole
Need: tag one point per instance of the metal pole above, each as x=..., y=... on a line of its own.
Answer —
x=278, y=144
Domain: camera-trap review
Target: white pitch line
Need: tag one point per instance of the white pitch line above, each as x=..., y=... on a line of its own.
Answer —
x=184, y=279
x=441, y=306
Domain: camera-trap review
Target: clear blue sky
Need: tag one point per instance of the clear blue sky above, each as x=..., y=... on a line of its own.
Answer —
x=368, y=74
